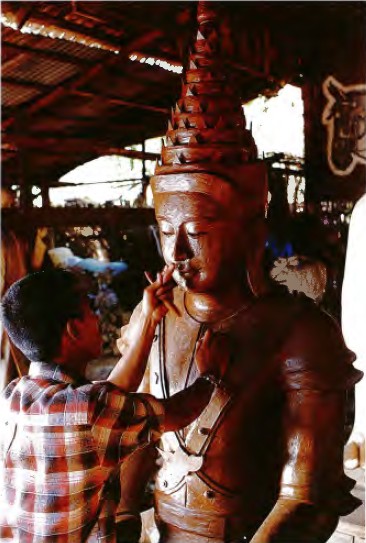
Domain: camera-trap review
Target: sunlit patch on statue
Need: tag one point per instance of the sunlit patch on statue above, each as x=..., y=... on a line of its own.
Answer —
x=345, y=119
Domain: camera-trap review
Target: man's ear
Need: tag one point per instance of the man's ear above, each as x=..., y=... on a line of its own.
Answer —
x=72, y=329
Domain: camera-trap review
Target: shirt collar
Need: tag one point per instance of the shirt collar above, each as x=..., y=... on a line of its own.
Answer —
x=47, y=370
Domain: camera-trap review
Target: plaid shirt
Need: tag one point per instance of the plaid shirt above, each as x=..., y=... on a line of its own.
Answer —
x=59, y=442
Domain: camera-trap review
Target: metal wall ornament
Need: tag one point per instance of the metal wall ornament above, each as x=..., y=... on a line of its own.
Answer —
x=344, y=117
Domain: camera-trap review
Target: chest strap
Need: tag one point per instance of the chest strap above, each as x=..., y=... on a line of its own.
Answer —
x=202, y=430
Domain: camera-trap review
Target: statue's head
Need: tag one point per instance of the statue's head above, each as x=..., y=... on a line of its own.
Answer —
x=209, y=190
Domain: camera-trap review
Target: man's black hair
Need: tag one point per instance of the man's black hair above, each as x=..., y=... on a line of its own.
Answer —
x=35, y=311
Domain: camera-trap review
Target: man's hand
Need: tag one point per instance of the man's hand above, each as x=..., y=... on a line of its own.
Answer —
x=136, y=339
x=213, y=354
x=153, y=308
x=158, y=296
x=212, y=359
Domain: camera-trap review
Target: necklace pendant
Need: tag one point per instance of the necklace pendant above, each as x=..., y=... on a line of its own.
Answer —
x=180, y=463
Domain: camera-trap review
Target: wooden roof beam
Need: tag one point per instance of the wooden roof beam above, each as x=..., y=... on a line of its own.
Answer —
x=27, y=84
x=119, y=102
x=121, y=217
x=14, y=62
x=92, y=144
x=57, y=184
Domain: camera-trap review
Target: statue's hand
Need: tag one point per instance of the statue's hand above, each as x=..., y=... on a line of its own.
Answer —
x=213, y=355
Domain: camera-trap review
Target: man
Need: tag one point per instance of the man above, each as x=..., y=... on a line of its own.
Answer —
x=62, y=438
x=265, y=464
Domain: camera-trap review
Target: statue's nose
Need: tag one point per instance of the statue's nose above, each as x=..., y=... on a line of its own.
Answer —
x=181, y=250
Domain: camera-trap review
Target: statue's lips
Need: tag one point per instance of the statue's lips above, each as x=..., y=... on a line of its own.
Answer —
x=185, y=272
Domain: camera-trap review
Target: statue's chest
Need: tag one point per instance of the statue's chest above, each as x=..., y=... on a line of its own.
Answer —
x=172, y=359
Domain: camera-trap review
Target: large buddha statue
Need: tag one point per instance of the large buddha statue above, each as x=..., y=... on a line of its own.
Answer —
x=263, y=462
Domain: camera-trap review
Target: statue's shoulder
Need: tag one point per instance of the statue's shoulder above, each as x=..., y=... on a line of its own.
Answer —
x=297, y=311
x=282, y=312
x=312, y=350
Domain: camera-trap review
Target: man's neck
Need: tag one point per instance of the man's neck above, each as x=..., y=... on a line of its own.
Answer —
x=71, y=367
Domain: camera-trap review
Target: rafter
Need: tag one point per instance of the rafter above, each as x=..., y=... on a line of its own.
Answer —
x=92, y=144
x=27, y=84
x=13, y=63
x=69, y=216
x=119, y=102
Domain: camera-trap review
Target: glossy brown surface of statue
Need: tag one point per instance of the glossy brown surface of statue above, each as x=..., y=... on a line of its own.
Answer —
x=264, y=460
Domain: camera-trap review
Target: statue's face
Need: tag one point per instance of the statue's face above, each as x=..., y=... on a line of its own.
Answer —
x=203, y=241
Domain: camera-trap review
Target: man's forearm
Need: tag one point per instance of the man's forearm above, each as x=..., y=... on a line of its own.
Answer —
x=130, y=369
x=185, y=406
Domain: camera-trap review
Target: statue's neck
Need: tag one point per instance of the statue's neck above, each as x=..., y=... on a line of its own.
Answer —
x=210, y=307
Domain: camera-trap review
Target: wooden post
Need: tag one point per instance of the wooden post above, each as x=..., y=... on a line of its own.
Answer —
x=26, y=197
x=45, y=196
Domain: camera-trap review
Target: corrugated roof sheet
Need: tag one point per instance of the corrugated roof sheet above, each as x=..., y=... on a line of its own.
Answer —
x=41, y=70
x=14, y=95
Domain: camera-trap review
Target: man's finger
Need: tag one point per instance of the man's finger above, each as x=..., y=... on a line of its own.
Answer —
x=164, y=289
x=149, y=277
x=168, y=272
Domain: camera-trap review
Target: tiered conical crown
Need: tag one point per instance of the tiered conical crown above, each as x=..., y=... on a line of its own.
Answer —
x=207, y=132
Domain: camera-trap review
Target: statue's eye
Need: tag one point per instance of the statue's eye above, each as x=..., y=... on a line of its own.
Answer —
x=196, y=233
x=166, y=229
x=195, y=230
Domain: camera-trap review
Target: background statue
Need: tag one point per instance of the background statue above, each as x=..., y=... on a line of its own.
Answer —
x=263, y=463
x=353, y=322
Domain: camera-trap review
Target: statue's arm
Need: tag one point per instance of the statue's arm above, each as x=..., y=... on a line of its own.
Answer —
x=141, y=465
x=314, y=491
x=314, y=462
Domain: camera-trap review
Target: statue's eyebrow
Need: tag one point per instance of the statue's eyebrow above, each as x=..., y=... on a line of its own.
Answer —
x=208, y=217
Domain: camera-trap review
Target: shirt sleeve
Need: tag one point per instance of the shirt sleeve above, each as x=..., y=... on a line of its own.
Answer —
x=122, y=422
